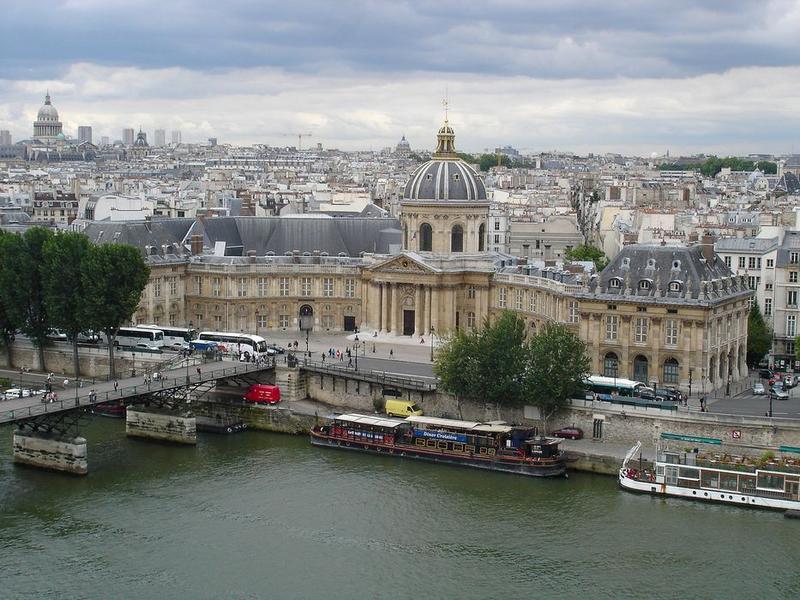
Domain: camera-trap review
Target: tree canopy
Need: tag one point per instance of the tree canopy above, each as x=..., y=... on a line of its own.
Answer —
x=588, y=252
x=500, y=364
x=713, y=165
x=759, y=336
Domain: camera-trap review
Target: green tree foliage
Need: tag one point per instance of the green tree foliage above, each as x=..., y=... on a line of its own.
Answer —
x=8, y=318
x=113, y=276
x=485, y=363
x=759, y=336
x=713, y=165
x=22, y=284
x=556, y=365
x=587, y=252
x=65, y=296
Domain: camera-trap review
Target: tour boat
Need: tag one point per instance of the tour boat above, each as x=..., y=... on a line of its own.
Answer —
x=760, y=483
x=493, y=446
x=113, y=408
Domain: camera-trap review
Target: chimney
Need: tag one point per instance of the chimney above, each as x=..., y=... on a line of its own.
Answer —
x=251, y=256
x=196, y=243
x=707, y=244
x=316, y=255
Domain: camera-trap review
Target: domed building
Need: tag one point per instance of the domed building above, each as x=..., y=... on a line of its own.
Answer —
x=47, y=127
x=403, y=148
x=444, y=207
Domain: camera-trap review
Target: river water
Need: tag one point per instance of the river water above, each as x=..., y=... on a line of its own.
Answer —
x=260, y=515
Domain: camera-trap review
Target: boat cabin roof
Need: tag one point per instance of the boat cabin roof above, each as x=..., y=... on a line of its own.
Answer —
x=371, y=420
x=490, y=427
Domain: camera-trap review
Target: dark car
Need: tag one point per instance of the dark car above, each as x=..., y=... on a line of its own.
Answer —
x=765, y=374
x=568, y=433
x=275, y=349
x=667, y=395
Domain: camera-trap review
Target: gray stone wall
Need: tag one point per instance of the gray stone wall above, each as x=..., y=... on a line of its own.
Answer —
x=93, y=361
x=142, y=423
x=68, y=455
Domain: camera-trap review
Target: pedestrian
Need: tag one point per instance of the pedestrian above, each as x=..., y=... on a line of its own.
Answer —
x=373, y=348
x=422, y=340
x=350, y=363
x=116, y=385
x=66, y=382
x=391, y=352
x=375, y=333
x=323, y=358
x=341, y=357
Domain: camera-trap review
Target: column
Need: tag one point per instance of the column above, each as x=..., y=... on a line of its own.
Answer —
x=383, y=325
x=435, y=311
x=426, y=323
x=419, y=313
x=451, y=303
x=394, y=312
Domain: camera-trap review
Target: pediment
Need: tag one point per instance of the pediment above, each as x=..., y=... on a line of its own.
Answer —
x=403, y=264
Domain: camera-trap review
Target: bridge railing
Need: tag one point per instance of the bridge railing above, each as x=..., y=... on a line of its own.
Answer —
x=374, y=376
x=123, y=389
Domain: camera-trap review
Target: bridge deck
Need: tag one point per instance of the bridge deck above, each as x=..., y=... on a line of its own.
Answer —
x=18, y=409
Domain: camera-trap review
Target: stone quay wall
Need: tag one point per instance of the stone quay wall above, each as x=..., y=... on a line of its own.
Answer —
x=55, y=454
x=157, y=425
x=261, y=417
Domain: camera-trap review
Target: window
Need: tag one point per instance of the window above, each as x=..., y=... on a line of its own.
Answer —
x=520, y=298
x=457, y=239
x=758, y=263
x=767, y=306
x=572, y=310
x=751, y=262
x=471, y=292
x=501, y=297
x=728, y=261
x=610, y=365
x=497, y=225
x=752, y=282
x=612, y=325
x=425, y=237
x=284, y=286
x=671, y=332
x=532, y=301
x=216, y=287
x=614, y=282
x=283, y=321
x=794, y=258
x=327, y=287
x=791, y=325
x=261, y=321
x=645, y=284
x=791, y=298
x=263, y=286
x=218, y=322
x=770, y=263
x=496, y=240
x=741, y=262
x=241, y=290
x=173, y=286
x=674, y=286
x=156, y=287
x=671, y=369
x=471, y=320
x=305, y=286
x=482, y=238
x=792, y=276
x=327, y=321
x=198, y=284
x=640, y=330
x=768, y=287
x=349, y=288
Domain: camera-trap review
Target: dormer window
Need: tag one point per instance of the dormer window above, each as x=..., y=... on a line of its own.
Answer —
x=455, y=177
x=614, y=282
x=675, y=286
x=645, y=284
x=651, y=263
x=429, y=177
x=676, y=264
x=626, y=262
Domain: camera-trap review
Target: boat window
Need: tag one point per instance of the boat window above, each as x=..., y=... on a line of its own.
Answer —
x=671, y=475
x=672, y=458
x=768, y=480
x=709, y=479
x=728, y=481
x=689, y=473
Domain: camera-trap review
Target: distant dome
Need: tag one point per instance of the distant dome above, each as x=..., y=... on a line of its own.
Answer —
x=48, y=112
x=60, y=136
x=446, y=177
x=403, y=145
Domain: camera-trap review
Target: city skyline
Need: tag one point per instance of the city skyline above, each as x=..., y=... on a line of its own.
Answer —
x=580, y=76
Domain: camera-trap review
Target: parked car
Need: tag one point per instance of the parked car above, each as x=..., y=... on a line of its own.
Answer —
x=765, y=374
x=668, y=395
x=276, y=349
x=12, y=393
x=778, y=394
x=758, y=389
x=568, y=433
x=789, y=382
x=647, y=393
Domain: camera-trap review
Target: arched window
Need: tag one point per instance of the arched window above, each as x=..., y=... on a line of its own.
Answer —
x=671, y=368
x=611, y=365
x=425, y=237
x=640, y=369
x=482, y=237
x=457, y=239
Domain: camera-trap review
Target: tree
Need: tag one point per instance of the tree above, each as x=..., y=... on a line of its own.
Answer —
x=759, y=336
x=23, y=286
x=63, y=256
x=8, y=322
x=113, y=277
x=588, y=252
x=557, y=365
x=485, y=363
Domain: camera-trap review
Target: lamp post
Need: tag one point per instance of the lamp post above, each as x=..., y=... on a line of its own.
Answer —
x=308, y=353
x=690, y=381
x=355, y=347
x=187, y=358
x=433, y=337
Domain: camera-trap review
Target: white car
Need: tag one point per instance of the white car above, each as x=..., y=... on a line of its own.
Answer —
x=758, y=389
x=12, y=393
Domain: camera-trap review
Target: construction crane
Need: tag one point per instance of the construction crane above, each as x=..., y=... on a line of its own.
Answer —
x=300, y=137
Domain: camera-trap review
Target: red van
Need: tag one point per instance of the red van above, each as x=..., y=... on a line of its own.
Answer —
x=263, y=393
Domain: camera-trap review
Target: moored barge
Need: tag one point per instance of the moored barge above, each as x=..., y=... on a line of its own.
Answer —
x=715, y=477
x=494, y=446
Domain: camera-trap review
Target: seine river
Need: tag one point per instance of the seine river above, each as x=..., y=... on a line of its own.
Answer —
x=259, y=515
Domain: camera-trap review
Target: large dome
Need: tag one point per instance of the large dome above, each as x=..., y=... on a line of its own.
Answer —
x=443, y=181
x=446, y=177
x=48, y=112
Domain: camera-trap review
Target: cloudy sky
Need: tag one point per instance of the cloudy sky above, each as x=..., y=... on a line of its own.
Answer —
x=630, y=76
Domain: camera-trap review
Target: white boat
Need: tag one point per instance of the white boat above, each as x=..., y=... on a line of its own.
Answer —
x=730, y=479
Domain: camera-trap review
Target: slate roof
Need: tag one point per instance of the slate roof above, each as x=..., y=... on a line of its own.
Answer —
x=790, y=245
x=148, y=236
x=445, y=180
x=746, y=245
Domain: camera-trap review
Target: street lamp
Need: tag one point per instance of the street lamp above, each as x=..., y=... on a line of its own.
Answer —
x=690, y=381
x=433, y=337
x=355, y=347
